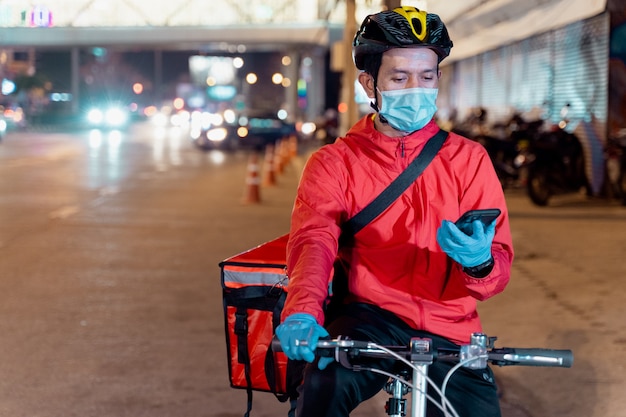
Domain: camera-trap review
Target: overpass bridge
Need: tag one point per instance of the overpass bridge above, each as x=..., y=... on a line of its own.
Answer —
x=304, y=30
x=298, y=29
x=195, y=25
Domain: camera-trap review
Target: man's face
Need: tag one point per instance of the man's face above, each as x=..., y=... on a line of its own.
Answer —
x=404, y=68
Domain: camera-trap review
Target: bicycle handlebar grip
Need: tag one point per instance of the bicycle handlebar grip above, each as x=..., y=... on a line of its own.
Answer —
x=533, y=357
x=276, y=347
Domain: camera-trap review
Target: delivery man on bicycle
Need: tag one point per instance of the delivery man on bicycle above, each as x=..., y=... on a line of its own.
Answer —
x=410, y=272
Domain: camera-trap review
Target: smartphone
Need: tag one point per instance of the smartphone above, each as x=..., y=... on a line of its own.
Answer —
x=484, y=215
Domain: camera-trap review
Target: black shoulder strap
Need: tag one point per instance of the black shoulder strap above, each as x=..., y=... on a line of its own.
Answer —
x=397, y=187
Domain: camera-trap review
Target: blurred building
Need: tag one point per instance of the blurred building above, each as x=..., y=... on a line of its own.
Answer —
x=88, y=36
x=509, y=56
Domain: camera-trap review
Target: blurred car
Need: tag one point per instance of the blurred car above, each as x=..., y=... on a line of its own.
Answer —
x=215, y=131
x=165, y=115
x=11, y=118
x=108, y=116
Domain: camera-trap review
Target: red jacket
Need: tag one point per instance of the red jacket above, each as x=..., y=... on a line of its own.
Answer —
x=396, y=262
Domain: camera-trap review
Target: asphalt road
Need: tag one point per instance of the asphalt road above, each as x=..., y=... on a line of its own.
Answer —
x=110, y=298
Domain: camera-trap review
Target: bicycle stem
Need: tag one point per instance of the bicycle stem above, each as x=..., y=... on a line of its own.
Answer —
x=421, y=358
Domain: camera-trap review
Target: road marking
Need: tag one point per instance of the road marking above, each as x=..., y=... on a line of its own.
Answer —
x=21, y=162
x=64, y=212
x=109, y=190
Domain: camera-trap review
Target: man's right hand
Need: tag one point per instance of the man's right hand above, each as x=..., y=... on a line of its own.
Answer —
x=467, y=250
x=298, y=335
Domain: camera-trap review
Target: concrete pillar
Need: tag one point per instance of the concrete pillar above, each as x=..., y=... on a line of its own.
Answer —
x=75, y=79
x=292, y=72
x=158, y=76
x=350, y=116
x=392, y=4
x=317, y=87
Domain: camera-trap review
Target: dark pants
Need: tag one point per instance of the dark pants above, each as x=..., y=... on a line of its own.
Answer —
x=336, y=391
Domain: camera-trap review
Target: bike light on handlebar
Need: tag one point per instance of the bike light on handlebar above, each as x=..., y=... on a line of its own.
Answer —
x=473, y=356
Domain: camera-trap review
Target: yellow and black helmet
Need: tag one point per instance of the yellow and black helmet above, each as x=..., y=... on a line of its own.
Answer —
x=401, y=27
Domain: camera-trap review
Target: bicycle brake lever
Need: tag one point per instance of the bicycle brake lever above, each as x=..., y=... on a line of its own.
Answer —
x=341, y=356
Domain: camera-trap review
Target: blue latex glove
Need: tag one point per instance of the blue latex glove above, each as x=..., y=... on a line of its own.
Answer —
x=296, y=329
x=469, y=251
x=323, y=362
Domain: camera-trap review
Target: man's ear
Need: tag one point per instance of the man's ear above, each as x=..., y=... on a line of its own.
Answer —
x=367, y=81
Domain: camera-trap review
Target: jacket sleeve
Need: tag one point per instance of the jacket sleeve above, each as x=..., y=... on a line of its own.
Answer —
x=319, y=209
x=482, y=189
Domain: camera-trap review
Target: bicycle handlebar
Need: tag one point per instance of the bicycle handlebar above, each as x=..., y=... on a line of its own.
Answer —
x=498, y=356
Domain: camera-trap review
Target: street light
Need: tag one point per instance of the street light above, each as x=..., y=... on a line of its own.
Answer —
x=237, y=62
x=137, y=88
x=251, y=78
x=277, y=78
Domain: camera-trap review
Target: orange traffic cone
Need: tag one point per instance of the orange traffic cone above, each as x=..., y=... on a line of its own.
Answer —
x=269, y=173
x=284, y=151
x=278, y=158
x=253, y=194
x=293, y=146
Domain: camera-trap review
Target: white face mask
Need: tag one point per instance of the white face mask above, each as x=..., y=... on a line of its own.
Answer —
x=408, y=109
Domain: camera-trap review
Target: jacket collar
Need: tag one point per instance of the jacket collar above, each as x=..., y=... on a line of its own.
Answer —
x=364, y=130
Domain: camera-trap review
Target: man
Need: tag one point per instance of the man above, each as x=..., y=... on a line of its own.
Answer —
x=411, y=272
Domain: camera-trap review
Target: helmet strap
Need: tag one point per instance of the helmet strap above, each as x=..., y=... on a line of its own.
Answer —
x=374, y=104
x=377, y=110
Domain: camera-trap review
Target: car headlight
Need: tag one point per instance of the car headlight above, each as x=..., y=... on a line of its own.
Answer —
x=217, y=135
x=308, y=128
x=95, y=116
x=195, y=133
x=159, y=119
x=115, y=116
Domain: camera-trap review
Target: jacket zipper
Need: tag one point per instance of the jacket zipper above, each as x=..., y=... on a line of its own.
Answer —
x=402, y=147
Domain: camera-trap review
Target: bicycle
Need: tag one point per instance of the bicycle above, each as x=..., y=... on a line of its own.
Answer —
x=418, y=355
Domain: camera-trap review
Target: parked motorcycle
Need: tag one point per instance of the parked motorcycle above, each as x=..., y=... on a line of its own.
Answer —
x=508, y=148
x=506, y=143
x=556, y=165
x=615, y=156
